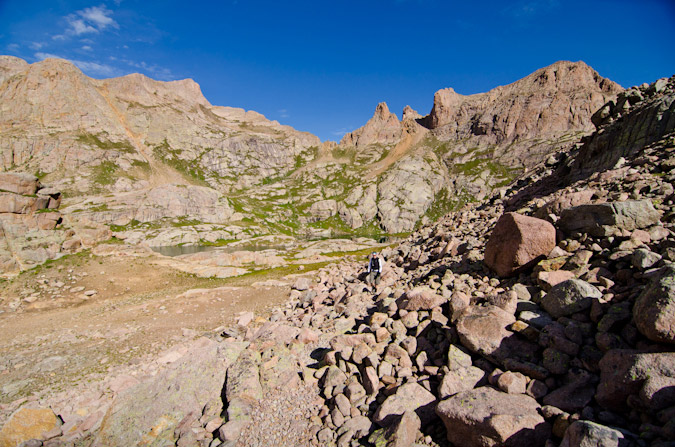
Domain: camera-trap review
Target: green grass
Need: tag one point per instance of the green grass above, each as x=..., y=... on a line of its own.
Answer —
x=188, y=169
x=105, y=173
x=94, y=140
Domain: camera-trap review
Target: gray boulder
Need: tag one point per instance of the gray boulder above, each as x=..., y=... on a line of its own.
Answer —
x=568, y=297
x=654, y=310
x=587, y=433
x=603, y=219
x=623, y=373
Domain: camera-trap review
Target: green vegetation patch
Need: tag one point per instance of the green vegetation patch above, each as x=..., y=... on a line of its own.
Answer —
x=95, y=140
x=188, y=169
x=105, y=173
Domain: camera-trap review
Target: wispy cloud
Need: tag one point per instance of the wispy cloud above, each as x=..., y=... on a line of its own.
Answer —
x=155, y=71
x=88, y=67
x=340, y=132
x=283, y=113
x=99, y=16
x=13, y=47
x=91, y=20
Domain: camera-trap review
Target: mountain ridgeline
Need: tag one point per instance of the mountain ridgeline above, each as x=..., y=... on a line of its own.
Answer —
x=131, y=153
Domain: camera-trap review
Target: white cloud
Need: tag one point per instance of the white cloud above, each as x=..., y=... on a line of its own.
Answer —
x=154, y=71
x=13, y=47
x=43, y=56
x=283, y=113
x=36, y=45
x=86, y=48
x=77, y=26
x=96, y=69
x=99, y=16
x=88, y=21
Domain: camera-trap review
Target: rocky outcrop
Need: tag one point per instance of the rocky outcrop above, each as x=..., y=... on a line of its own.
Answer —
x=639, y=117
x=550, y=102
x=383, y=128
x=32, y=230
x=407, y=191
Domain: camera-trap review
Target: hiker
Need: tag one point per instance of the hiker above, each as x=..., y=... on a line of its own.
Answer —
x=375, y=265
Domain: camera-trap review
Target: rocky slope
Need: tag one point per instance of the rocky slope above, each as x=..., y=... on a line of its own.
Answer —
x=541, y=316
x=108, y=144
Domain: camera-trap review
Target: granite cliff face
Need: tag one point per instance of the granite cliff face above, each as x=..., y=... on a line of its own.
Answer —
x=110, y=145
x=550, y=102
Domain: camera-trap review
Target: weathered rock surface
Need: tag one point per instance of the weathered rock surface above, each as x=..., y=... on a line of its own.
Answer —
x=654, y=310
x=516, y=242
x=26, y=424
x=638, y=117
x=409, y=397
x=150, y=411
x=624, y=372
x=569, y=297
x=604, y=218
x=586, y=433
x=486, y=417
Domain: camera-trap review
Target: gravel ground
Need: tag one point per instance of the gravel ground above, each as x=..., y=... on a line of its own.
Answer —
x=284, y=419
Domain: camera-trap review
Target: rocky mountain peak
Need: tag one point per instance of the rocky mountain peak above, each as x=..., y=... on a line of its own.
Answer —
x=410, y=113
x=553, y=100
x=383, y=128
x=10, y=65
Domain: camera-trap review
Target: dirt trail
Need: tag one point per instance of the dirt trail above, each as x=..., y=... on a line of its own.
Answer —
x=139, y=310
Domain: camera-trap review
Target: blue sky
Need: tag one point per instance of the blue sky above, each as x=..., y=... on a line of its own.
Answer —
x=322, y=67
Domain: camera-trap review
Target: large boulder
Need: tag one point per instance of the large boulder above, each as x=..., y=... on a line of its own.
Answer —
x=587, y=433
x=149, y=412
x=483, y=330
x=420, y=298
x=402, y=433
x=485, y=417
x=323, y=209
x=568, y=297
x=564, y=201
x=19, y=183
x=603, y=219
x=517, y=242
x=624, y=373
x=654, y=310
x=27, y=423
x=17, y=204
x=409, y=397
